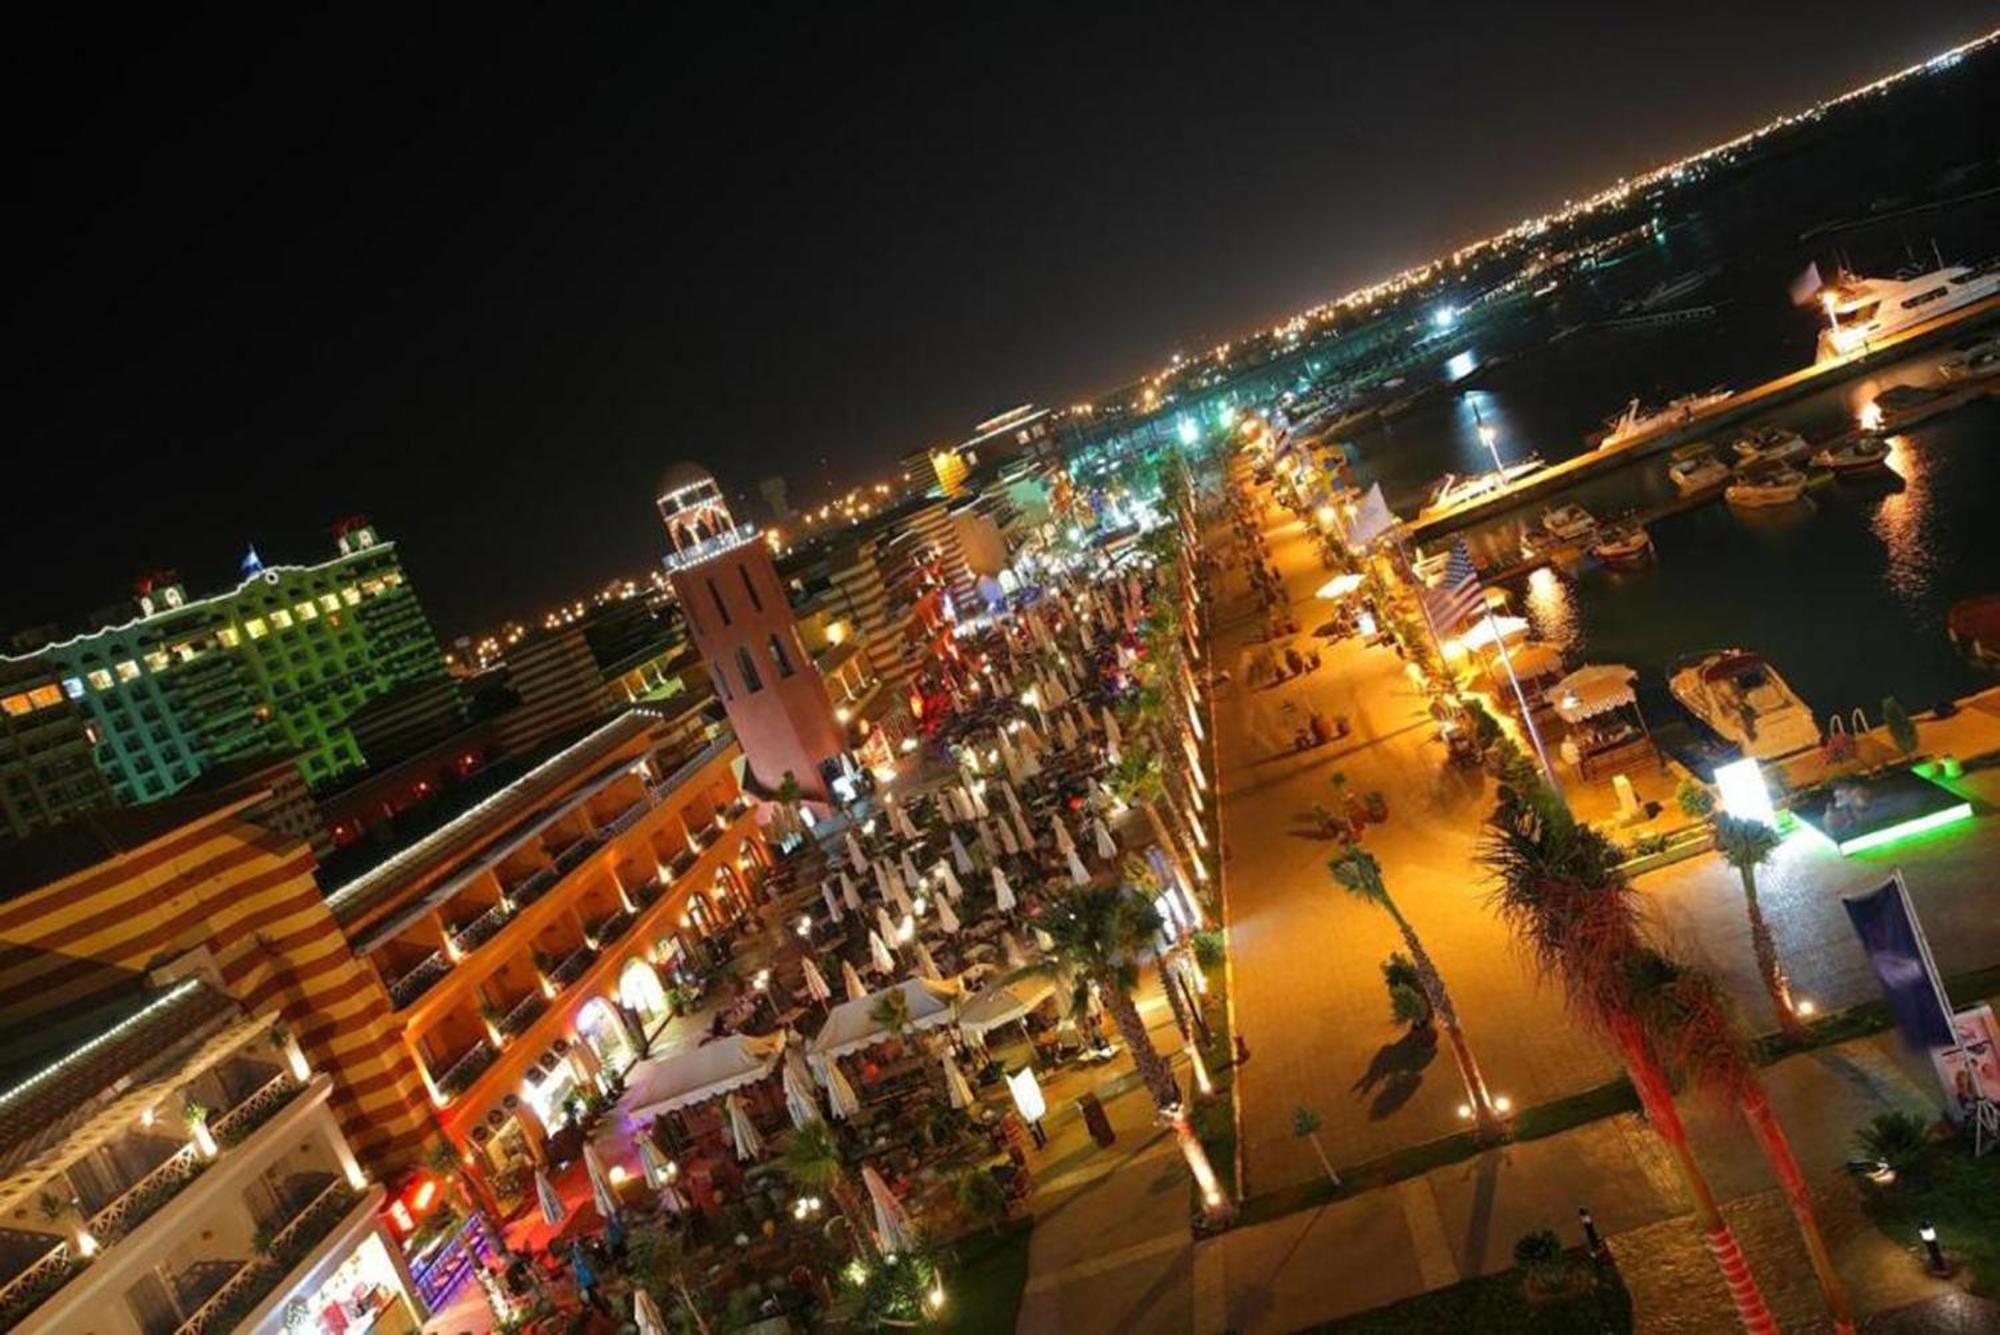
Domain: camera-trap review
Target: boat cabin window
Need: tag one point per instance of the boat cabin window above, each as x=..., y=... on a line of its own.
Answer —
x=1923, y=298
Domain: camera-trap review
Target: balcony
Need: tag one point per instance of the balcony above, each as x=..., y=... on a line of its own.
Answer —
x=577, y=852
x=234, y=1127
x=465, y=1068
x=533, y=888
x=24, y=1292
x=249, y=1283
x=203, y=1289
x=143, y=1199
x=610, y=928
x=573, y=965
x=629, y=817
x=419, y=980
x=522, y=1014
x=481, y=929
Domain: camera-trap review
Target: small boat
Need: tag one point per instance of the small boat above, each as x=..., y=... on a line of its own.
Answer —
x=1743, y=700
x=1568, y=523
x=1623, y=542
x=1636, y=421
x=1697, y=473
x=1856, y=456
x=1971, y=360
x=1769, y=444
x=1765, y=486
x=1454, y=489
x=1902, y=406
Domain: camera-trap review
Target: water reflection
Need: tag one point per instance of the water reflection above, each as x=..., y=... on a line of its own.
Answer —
x=1552, y=609
x=1904, y=523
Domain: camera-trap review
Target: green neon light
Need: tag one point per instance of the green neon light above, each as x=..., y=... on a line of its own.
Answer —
x=1876, y=838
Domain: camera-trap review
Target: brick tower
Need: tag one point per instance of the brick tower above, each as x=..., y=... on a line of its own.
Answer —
x=741, y=621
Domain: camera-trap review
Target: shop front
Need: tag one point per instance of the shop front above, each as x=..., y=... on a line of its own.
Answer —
x=360, y=1288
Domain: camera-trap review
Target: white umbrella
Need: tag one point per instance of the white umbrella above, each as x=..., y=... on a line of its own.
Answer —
x=1066, y=733
x=856, y=989
x=1009, y=757
x=1043, y=941
x=885, y=926
x=926, y=966
x=959, y=857
x=900, y=822
x=672, y=1197
x=1061, y=828
x=899, y=896
x=600, y=1181
x=986, y=840
x=1014, y=802
x=832, y=900
x=948, y=880
x=974, y=796
x=892, y=1221
x=910, y=877
x=1021, y=829
x=961, y=804
x=947, y=920
x=955, y=1087
x=646, y=1312
x=1078, y=875
x=1107, y=847
x=799, y=1099
x=749, y=1144
x=883, y=871
x=1031, y=742
x=1012, y=951
x=1112, y=738
x=854, y=857
x=848, y=895
x=878, y=949
x=840, y=1097
x=816, y=987
x=651, y=1162
x=1003, y=893
x=545, y=1196
x=1008, y=840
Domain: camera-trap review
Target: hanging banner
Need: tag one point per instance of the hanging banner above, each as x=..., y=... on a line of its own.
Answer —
x=1889, y=933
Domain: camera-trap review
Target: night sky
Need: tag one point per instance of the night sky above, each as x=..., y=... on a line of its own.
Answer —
x=484, y=284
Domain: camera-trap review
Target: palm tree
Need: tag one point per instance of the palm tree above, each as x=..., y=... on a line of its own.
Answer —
x=660, y=1263
x=1689, y=1019
x=1305, y=1125
x=1356, y=869
x=812, y=1159
x=1559, y=891
x=1745, y=845
x=1138, y=780
x=1098, y=935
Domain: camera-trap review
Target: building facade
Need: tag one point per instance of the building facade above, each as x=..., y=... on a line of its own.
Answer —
x=172, y=1165
x=277, y=663
x=739, y=614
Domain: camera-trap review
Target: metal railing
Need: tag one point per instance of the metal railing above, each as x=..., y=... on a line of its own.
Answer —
x=26, y=1291
x=466, y=1068
x=533, y=888
x=577, y=852
x=143, y=1199
x=235, y=1126
x=481, y=929
x=421, y=979
x=611, y=927
x=522, y=1013
x=573, y=965
x=629, y=817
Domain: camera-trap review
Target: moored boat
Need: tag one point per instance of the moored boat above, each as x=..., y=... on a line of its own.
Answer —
x=1622, y=542
x=1568, y=523
x=1769, y=444
x=1696, y=473
x=1743, y=700
x=1856, y=456
x=1765, y=486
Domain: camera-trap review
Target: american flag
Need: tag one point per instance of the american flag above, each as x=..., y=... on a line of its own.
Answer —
x=1458, y=595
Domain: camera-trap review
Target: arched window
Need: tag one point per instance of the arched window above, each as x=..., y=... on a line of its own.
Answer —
x=747, y=666
x=750, y=588
x=715, y=593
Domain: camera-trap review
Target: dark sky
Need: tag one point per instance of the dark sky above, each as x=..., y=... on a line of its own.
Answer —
x=484, y=283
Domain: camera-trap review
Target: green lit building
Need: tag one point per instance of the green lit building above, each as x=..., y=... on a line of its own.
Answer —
x=275, y=665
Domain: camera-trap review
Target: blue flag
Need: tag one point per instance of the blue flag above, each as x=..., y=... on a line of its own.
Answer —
x=1884, y=921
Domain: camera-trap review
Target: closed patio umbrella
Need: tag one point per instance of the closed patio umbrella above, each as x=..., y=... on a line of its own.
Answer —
x=1107, y=847
x=955, y=1087
x=1079, y=875
x=986, y=840
x=840, y=1097
x=848, y=894
x=948, y=881
x=898, y=894
x=856, y=989
x=1064, y=843
x=799, y=1099
x=926, y=966
x=1066, y=733
x=1003, y=893
x=1112, y=739
x=878, y=951
x=653, y=1163
x=816, y=987
x=910, y=877
x=600, y=1181
x=833, y=908
x=974, y=796
x=1021, y=829
x=960, y=858
x=854, y=858
x=947, y=919
x=892, y=1221
x=646, y=1312
x=1009, y=841
x=673, y=1198
x=545, y=1196
x=749, y=1145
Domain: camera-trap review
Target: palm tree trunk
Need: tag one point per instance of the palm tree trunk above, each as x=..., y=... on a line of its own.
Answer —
x=1766, y=948
x=1320, y=1150
x=1153, y=1070
x=858, y=1222
x=1657, y=1099
x=1486, y=1122
x=1777, y=1148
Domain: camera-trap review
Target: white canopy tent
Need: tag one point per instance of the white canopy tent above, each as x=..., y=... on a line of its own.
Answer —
x=1003, y=1005
x=1591, y=690
x=850, y=1027
x=695, y=1075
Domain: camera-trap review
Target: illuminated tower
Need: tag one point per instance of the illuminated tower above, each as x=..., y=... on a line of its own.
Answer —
x=741, y=620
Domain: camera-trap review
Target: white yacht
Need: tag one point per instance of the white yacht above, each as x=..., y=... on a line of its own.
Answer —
x=1622, y=542
x=1636, y=421
x=1568, y=523
x=1855, y=456
x=1697, y=472
x=1860, y=310
x=1769, y=445
x=1769, y=485
x=1743, y=700
x=1456, y=489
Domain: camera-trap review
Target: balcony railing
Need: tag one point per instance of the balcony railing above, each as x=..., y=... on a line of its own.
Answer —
x=253, y=1282
x=235, y=1126
x=466, y=1068
x=577, y=852
x=24, y=1292
x=143, y=1199
x=533, y=888
x=209, y=1287
x=522, y=1014
x=573, y=965
x=481, y=929
x=419, y=980
x=610, y=928
x=629, y=817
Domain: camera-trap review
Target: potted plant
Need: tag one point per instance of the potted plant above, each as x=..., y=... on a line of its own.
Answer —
x=1376, y=805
